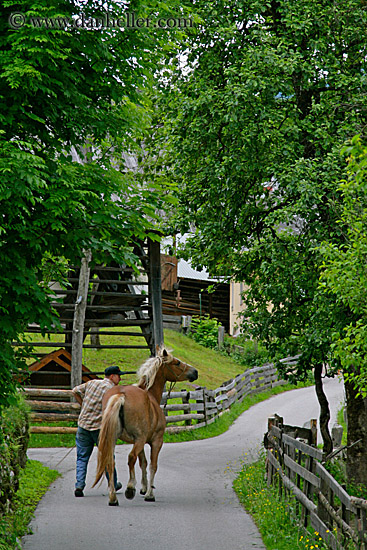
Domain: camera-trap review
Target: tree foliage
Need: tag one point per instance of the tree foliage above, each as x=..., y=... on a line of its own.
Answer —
x=344, y=273
x=69, y=94
x=269, y=93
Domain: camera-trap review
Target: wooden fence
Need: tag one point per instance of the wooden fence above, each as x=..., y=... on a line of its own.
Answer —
x=184, y=410
x=297, y=467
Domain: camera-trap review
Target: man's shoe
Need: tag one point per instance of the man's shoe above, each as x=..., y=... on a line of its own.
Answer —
x=118, y=486
x=78, y=492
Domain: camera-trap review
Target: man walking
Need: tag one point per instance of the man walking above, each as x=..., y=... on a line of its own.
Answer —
x=89, y=396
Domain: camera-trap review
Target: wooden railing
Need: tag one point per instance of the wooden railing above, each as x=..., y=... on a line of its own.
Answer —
x=184, y=410
x=339, y=519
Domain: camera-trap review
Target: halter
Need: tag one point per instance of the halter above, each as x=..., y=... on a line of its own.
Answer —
x=172, y=384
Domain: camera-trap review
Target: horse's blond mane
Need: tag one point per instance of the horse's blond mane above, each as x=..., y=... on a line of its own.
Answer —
x=148, y=370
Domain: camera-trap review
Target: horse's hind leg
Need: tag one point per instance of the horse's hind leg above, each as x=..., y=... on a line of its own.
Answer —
x=112, y=491
x=144, y=479
x=135, y=451
x=155, y=448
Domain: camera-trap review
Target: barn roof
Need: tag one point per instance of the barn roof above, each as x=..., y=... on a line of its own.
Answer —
x=57, y=361
x=185, y=269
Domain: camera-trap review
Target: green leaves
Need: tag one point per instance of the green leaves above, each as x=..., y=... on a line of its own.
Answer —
x=204, y=330
x=253, y=128
x=74, y=108
x=344, y=268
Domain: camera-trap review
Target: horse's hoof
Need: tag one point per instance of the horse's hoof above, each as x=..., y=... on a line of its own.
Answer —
x=150, y=498
x=130, y=493
x=142, y=492
x=116, y=503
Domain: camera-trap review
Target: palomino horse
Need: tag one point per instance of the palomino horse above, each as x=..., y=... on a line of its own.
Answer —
x=133, y=414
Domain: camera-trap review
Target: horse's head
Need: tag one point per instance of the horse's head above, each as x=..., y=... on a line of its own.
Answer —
x=176, y=370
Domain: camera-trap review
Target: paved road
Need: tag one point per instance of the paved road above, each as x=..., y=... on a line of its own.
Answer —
x=195, y=506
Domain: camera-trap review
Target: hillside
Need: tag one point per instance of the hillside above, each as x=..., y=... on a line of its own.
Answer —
x=214, y=368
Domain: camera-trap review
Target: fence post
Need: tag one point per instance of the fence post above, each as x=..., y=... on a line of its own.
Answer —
x=269, y=466
x=362, y=526
x=78, y=323
x=337, y=435
x=204, y=405
x=185, y=401
x=308, y=491
x=313, y=432
x=220, y=337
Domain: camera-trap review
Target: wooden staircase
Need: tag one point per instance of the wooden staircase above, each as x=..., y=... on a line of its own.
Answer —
x=119, y=297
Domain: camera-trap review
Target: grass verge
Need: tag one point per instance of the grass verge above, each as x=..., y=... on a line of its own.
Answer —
x=273, y=516
x=33, y=483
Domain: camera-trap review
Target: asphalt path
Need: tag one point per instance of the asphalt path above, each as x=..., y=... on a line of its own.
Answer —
x=195, y=506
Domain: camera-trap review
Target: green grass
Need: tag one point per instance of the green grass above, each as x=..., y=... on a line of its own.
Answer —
x=33, y=483
x=52, y=440
x=214, y=368
x=273, y=516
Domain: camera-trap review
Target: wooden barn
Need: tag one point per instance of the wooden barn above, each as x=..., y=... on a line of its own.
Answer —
x=186, y=291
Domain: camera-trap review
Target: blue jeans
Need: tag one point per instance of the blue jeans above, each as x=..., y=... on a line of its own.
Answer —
x=85, y=441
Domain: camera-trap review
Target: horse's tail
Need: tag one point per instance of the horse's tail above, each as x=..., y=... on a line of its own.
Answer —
x=111, y=426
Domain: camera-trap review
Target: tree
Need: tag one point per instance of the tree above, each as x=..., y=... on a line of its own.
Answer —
x=255, y=121
x=64, y=88
x=344, y=276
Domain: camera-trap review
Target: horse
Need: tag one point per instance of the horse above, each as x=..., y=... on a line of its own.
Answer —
x=133, y=414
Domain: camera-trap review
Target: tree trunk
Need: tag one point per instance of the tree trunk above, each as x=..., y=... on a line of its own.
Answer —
x=357, y=430
x=324, y=411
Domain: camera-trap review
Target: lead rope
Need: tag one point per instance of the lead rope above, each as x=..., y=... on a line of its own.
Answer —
x=171, y=386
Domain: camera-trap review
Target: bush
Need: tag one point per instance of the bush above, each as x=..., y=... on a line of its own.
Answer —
x=204, y=330
x=14, y=437
x=251, y=354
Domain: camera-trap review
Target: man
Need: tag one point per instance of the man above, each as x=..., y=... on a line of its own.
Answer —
x=89, y=396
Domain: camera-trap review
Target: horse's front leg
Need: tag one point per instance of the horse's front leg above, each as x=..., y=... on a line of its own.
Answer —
x=144, y=479
x=155, y=448
x=133, y=455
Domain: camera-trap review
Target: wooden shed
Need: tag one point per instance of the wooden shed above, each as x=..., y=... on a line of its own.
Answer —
x=54, y=371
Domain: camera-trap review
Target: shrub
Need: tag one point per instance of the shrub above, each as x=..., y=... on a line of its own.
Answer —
x=251, y=355
x=204, y=330
x=14, y=435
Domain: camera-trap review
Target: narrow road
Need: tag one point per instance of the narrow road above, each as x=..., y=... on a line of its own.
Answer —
x=195, y=506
